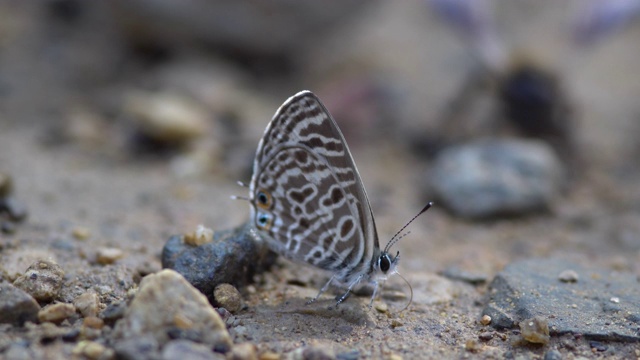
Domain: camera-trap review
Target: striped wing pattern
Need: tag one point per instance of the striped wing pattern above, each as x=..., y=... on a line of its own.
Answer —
x=307, y=198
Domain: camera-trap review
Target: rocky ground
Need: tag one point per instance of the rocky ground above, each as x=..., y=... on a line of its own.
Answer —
x=120, y=133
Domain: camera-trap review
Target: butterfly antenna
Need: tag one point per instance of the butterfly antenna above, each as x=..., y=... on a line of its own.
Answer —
x=395, y=238
x=410, y=289
x=238, y=197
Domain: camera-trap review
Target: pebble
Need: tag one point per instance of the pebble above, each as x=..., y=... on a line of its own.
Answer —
x=42, y=280
x=81, y=233
x=381, y=307
x=114, y=312
x=552, y=355
x=93, y=322
x=312, y=352
x=535, y=330
x=269, y=355
x=108, y=255
x=164, y=302
x=201, y=235
x=17, y=306
x=167, y=117
x=485, y=320
x=598, y=346
x=395, y=324
x=472, y=345
x=497, y=177
x=92, y=350
x=455, y=273
x=56, y=313
x=185, y=349
x=485, y=336
x=140, y=347
x=228, y=297
x=568, y=276
x=233, y=257
x=243, y=351
x=349, y=355
x=88, y=304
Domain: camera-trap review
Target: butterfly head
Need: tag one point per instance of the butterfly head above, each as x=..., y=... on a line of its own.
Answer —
x=386, y=263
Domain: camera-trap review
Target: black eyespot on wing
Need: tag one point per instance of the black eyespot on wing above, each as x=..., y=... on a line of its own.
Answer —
x=264, y=199
x=263, y=221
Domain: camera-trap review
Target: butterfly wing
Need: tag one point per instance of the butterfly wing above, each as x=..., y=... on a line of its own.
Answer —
x=307, y=198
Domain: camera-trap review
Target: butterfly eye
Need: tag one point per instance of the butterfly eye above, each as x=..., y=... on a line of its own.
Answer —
x=384, y=262
x=264, y=221
x=264, y=199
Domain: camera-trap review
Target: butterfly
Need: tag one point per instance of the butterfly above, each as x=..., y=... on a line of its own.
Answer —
x=308, y=202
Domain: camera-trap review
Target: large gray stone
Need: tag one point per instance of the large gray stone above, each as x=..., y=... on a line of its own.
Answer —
x=233, y=257
x=17, y=306
x=497, y=177
x=602, y=305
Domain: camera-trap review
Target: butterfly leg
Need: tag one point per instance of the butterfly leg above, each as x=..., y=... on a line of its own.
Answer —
x=344, y=296
x=375, y=293
x=324, y=288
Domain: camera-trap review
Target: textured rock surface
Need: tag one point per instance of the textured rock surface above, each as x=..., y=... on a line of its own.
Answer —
x=602, y=305
x=16, y=306
x=168, y=307
x=42, y=280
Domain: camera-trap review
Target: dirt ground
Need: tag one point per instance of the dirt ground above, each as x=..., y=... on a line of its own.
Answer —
x=81, y=162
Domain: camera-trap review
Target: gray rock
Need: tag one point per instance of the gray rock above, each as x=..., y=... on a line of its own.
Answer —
x=497, y=177
x=56, y=313
x=110, y=282
x=142, y=347
x=88, y=304
x=42, y=280
x=16, y=306
x=233, y=257
x=455, y=273
x=604, y=305
x=552, y=355
x=243, y=351
x=167, y=307
x=113, y=312
x=184, y=349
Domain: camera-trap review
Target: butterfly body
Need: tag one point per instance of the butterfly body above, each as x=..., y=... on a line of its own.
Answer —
x=307, y=200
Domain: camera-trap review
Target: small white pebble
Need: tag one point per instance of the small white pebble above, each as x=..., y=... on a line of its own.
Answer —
x=615, y=300
x=485, y=320
x=202, y=235
x=106, y=256
x=568, y=276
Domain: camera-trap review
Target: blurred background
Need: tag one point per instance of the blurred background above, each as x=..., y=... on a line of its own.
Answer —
x=135, y=118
